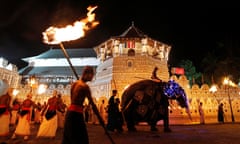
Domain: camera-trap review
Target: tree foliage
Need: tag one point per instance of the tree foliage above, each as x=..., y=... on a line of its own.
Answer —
x=190, y=71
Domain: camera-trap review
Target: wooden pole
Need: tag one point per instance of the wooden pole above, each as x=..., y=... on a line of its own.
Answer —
x=68, y=59
x=94, y=107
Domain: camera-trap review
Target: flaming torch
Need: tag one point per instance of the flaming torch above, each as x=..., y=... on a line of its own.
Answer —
x=55, y=35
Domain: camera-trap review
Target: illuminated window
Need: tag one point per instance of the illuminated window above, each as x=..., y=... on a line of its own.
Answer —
x=129, y=63
x=131, y=52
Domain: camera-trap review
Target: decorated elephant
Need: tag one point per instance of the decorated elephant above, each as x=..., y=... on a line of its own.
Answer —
x=148, y=101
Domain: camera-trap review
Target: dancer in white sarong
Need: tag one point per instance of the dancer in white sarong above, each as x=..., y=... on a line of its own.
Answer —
x=23, y=126
x=4, y=113
x=49, y=124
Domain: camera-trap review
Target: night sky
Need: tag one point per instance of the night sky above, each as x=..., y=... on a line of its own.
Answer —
x=192, y=28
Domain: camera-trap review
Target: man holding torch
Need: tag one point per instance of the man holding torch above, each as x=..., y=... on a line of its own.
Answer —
x=75, y=129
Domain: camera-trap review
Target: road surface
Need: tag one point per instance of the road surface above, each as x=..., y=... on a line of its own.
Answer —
x=227, y=133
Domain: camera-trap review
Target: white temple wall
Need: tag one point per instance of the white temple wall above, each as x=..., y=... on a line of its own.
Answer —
x=177, y=115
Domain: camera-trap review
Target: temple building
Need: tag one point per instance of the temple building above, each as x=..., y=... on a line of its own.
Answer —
x=51, y=67
x=120, y=61
x=128, y=58
x=8, y=75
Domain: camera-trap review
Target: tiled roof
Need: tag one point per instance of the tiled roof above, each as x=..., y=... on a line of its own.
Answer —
x=133, y=32
x=58, y=53
x=50, y=71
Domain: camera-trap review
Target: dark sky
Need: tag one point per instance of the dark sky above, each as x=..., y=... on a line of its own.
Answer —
x=192, y=28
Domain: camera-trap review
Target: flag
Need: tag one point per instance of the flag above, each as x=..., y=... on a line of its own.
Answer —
x=177, y=70
x=131, y=44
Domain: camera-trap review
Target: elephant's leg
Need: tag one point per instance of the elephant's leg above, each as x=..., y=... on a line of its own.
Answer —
x=153, y=127
x=129, y=118
x=166, y=121
x=153, y=121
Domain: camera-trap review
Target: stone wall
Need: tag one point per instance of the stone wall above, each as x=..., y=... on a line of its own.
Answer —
x=178, y=115
x=197, y=94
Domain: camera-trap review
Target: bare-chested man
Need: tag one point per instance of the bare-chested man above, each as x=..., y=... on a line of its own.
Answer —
x=75, y=131
x=4, y=112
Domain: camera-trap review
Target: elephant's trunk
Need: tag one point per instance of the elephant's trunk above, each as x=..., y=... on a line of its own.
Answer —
x=189, y=113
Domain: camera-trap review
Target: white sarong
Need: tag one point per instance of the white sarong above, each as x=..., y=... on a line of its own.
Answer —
x=23, y=126
x=48, y=128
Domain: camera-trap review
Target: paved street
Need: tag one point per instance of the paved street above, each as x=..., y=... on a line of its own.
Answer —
x=181, y=134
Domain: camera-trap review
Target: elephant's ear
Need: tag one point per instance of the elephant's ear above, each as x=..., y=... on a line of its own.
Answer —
x=138, y=96
x=134, y=91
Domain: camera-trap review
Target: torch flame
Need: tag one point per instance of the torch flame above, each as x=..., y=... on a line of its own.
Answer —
x=54, y=35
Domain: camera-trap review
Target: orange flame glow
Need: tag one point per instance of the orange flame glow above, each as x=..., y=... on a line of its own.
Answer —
x=54, y=35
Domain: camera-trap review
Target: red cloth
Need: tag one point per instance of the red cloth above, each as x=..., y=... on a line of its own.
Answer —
x=76, y=108
x=52, y=107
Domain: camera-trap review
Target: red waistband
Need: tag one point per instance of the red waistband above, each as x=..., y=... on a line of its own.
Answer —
x=76, y=108
x=15, y=107
x=2, y=106
x=26, y=108
x=51, y=107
